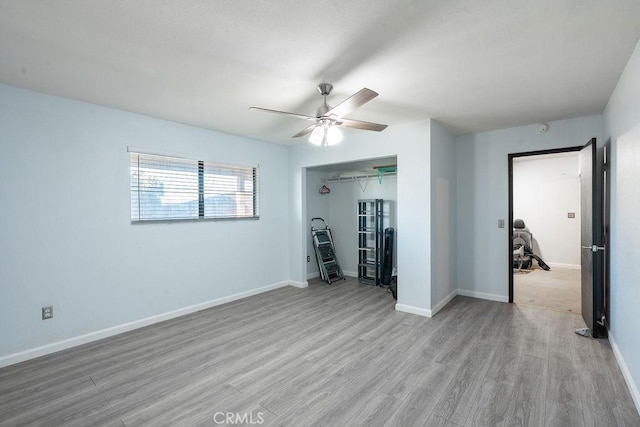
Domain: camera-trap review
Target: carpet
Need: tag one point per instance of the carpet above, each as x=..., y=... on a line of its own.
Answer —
x=557, y=289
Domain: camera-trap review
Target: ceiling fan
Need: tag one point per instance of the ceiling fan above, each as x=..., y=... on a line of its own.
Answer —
x=324, y=128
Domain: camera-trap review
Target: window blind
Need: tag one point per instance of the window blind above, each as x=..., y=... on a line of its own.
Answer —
x=170, y=188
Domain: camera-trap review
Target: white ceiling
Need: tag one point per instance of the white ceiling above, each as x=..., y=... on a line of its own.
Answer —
x=472, y=65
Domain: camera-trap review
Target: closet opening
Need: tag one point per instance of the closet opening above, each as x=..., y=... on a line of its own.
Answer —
x=358, y=202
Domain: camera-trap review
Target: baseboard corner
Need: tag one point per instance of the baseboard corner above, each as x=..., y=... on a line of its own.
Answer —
x=413, y=310
x=439, y=306
x=296, y=284
x=483, y=295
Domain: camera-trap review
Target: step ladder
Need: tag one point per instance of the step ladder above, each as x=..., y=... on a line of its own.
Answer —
x=328, y=265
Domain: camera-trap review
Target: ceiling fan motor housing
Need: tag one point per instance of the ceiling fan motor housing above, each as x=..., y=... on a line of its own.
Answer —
x=322, y=110
x=325, y=88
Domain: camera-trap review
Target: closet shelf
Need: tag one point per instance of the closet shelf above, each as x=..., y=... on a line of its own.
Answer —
x=370, y=241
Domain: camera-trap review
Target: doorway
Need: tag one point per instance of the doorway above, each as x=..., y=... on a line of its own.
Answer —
x=544, y=217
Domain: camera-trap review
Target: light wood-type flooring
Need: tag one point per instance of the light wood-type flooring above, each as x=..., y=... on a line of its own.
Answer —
x=336, y=355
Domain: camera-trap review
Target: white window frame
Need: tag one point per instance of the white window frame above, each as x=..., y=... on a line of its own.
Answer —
x=189, y=197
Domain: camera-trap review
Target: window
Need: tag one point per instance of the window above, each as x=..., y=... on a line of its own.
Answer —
x=170, y=188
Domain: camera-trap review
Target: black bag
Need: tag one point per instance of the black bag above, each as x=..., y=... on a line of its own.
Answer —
x=387, y=258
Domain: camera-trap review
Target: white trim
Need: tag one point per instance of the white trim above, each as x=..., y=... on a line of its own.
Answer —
x=413, y=310
x=560, y=265
x=115, y=330
x=298, y=284
x=317, y=274
x=439, y=306
x=482, y=295
x=633, y=388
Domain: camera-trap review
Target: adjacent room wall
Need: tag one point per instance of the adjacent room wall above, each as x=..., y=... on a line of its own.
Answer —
x=482, y=195
x=411, y=144
x=443, y=213
x=343, y=206
x=622, y=128
x=545, y=190
x=65, y=229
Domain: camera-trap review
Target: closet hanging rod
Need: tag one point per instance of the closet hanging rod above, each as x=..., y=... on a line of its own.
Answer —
x=351, y=178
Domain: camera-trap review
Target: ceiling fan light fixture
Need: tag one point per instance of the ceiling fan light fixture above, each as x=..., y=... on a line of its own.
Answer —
x=317, y=136
x=333, y=136
x=325, y=135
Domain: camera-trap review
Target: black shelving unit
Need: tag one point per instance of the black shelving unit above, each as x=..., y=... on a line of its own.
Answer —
x=370, y=241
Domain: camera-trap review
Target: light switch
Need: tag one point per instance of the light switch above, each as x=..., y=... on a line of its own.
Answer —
x=571, y=215
x=501, y=223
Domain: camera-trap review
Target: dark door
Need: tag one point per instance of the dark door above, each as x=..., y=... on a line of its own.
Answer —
x=606, y=222
x=591, y=235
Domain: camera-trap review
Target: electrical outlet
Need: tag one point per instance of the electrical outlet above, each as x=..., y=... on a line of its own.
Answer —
x=47, y=312
x=308, y=258
x=571, y=215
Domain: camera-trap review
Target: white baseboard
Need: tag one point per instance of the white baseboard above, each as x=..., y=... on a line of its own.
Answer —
x=443, y=302
x=126, y=327
x=430, y=313
x=346, y=273
x=560, y=265
x=633, y=388
x=299, y=284
x=482, y=295
x=413, y=310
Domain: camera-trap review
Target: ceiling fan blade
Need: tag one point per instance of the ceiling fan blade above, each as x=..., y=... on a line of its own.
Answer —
x=358, y=124
x=298, y=116
x=354, y=101
x=304, y=131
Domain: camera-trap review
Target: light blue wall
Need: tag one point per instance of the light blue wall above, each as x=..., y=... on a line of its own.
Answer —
x=443, y=214
x=482, y=191
x=65, y=235
x=622, y=128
